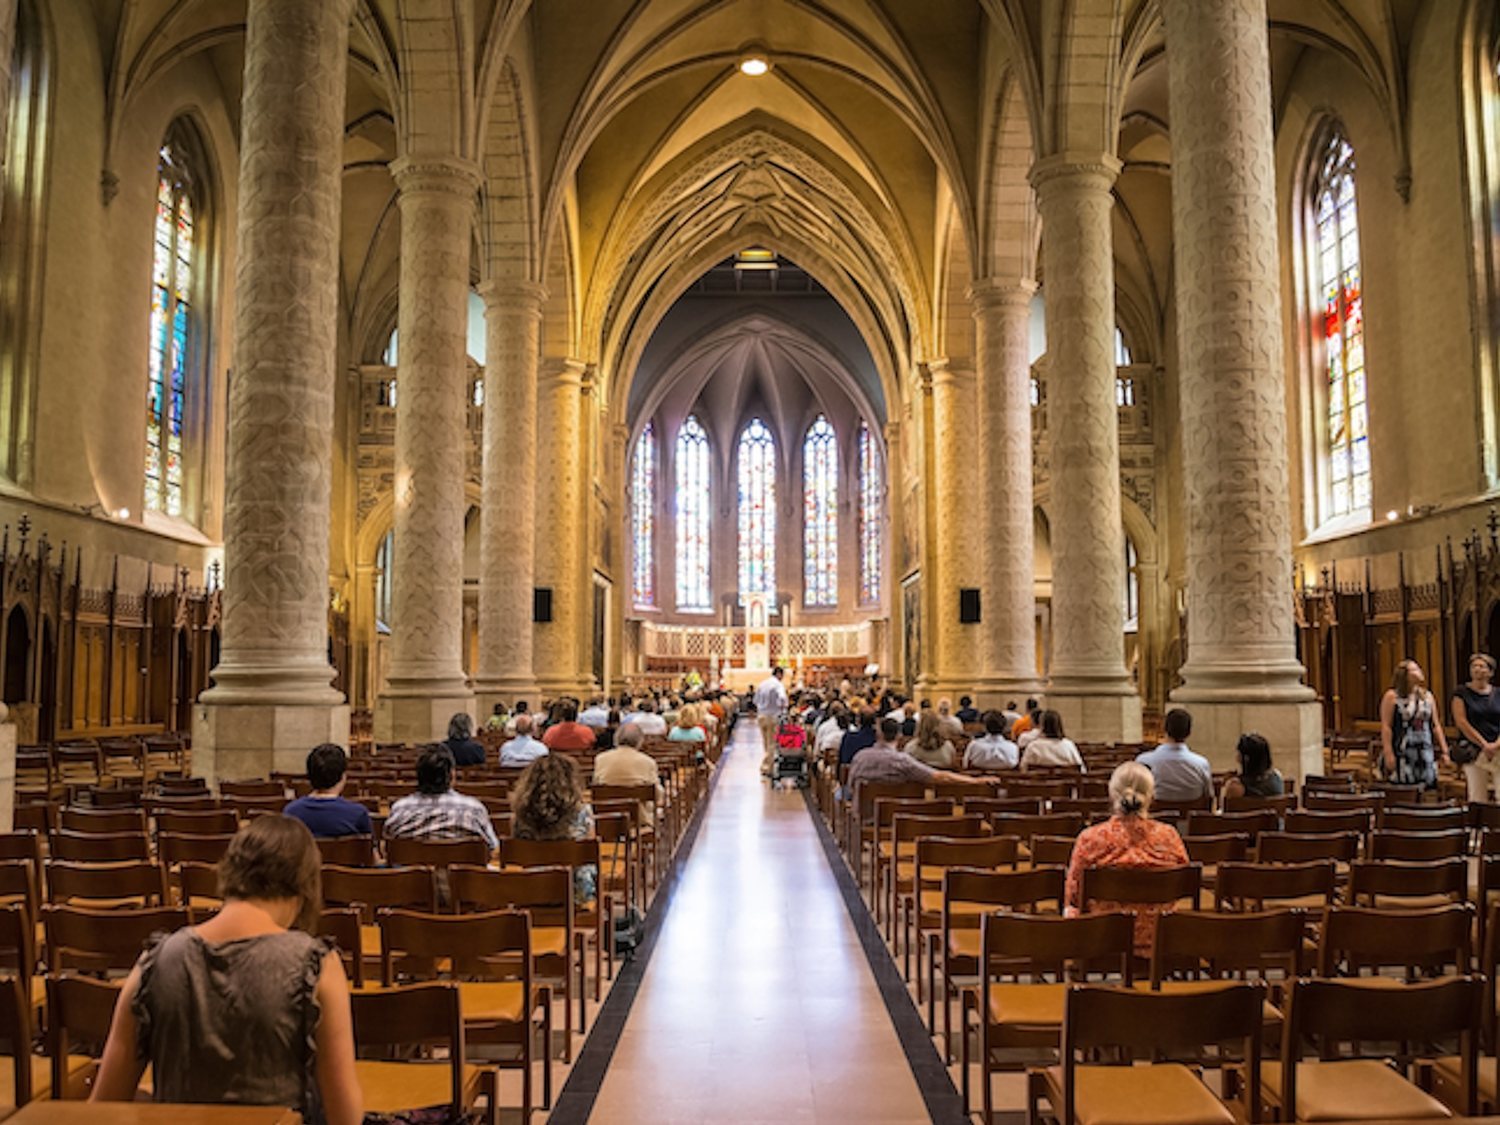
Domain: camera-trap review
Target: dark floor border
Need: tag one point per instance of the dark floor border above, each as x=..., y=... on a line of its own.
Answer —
x=576, y=1101
x=944, y=1105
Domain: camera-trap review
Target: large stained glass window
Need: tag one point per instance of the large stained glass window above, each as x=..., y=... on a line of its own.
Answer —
x=1336, y=261
x=643, y=518
x=820, y=515
x=172, y=326
x=757, y=458
x=871, y=517
x=692, y=517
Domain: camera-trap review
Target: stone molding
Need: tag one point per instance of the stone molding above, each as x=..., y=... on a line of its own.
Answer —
x=1066, y=171
x=445, y=175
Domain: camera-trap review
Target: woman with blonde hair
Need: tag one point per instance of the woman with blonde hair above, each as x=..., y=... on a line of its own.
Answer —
x=689, y=727
x=1129, y=838
x=547, y=804
x=929, y=746
x=1408, y=728
x=249, y=1008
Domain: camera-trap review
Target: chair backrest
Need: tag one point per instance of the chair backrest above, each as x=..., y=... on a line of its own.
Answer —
x=409, y=852
x=545, y=893
x=1374, y=881
x=83, y=847
x=1010, y=890
x=417, y=1015
x=197, y=822
x=68, y=881
x=937, y=853
x=1419, y=846
x=572, y=854
x=636, y=793
x=1251, y=823
x=98, y=822
x=79, y=1013
x=1295, y=847
x=1197, y=944
x=1037, y=945
x=1333, y=801
x=347, y=851
x=1185, y=807
x=1051, y=851
x=18, y=938
x=906, y=828
x=341, y=923
x=1041, y=824
x=126, y=796
x=1143, y=885
x=16, y=1030
x=103, y=940
x=198, y=889
x=172, y=848
x=1327, y=822
x=1246, y=803
x=869, y=792
x=987, y=805
x=373, y=887
x=488, y=945
x=1402, y=819
x=888, y=808
x=1355, y=938
x=1251, y=886
x=252, y=789
x=1227, y=847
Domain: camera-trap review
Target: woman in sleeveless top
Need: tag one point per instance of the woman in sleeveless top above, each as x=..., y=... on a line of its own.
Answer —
x=1257, y=776
x=1476, y=714
x=249, y=1008
x=1409, y=727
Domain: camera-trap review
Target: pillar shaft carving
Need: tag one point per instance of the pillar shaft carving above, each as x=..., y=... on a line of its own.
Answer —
x=952, y=425
x=1241, y=631
x=563, y=510
x=280, y=455
x=437, y=212
x=1088, y=552
x=1002, y=318
x=513, y=318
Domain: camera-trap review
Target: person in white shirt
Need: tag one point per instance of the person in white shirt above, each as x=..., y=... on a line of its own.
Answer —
x=652, y=725
x=626, y=764
x=595, y=715
x=770, y=704
x=1051, y=747
x=949, y=723
x=992, y=750
x=831, y=730
x=523, y=749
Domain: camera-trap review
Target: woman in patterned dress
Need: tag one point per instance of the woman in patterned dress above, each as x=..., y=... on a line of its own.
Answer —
x=1408, y=729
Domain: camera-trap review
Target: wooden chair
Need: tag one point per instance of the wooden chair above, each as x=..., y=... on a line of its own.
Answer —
x=27, y=1075
x=1043, y=824
x=546, y=895
x=426, y=1016
x=436, y=854
x=590, y=918
x=620, y=877
x=1193, y=946
x=1210, y=851
x=968, y=895
x=36, y=816
x=1251, y=823
x=172, y=849
x=1051, y=851
x=1328, y=822
x=1149, y=1025
x=367, y=889
x=247, y=807
x=102, y=822
x=197, y=822
x=989, y=806
x=80, y=847
x=1393, y=884
x=920, y=901
x=1448, y=1080
x=1278, y=805
x=878, y=833
x=1142, y=890
x=1419, y=847
x=186, y=802
x=895, y=869
x=1048, y=952
x=1296, y=847
x=35, y=778
x=1358, y=939
x=1333, y=801
x=103, y=941
x=341, y=923
x=102, y=885
x=1403, y=819
x=78, y=766
x=1255, y=886
x=1355, y=1012
x=123, y=761
x=79, y=1012
x=198, y=890
x=230, y=789
x=347, y=851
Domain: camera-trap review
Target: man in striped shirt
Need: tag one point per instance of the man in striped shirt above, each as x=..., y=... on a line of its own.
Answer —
x=435, y=811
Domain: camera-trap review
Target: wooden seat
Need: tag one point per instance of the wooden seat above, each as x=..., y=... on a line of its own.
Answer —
x=1394, y=883
x=103, y=941
x=1355, y=939
x=437, y=854
x=99, y=822
x=1255, y=886
x=173, y=848
x=347, y=851
x=1299, y=847
x=898, y=850
x=920, y=905
x=79, y=1012
x=1334, y=1012
x=1417, y=847
x=80, y=847
x=129, y=883
x=1148, y=1025
x=197, y=822
x=591, y=918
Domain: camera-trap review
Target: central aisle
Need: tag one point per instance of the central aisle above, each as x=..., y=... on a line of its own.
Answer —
x=758, y=1004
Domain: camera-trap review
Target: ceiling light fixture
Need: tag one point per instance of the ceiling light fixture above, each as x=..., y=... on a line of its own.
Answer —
x=756, y=258
x=753, y=66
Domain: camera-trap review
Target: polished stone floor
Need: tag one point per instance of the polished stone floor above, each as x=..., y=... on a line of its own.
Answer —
x=758, y=1004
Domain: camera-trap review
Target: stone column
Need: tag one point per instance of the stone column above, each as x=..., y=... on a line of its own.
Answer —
x=273, y=698
x=1089, y=686
x=427, y=683
x=1002, y=320
x=561, y=512
x=513, y=319
x=958, y=565
x=1242, y=671
x=7, y=79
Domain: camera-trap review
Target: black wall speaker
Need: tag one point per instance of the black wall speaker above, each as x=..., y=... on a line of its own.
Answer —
x=541, y=604
x=968, y=606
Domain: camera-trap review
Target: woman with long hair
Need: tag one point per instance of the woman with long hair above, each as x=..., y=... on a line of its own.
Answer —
x=928, y=745
x=1409, y=727
x=547, y=804
x=1257, y=776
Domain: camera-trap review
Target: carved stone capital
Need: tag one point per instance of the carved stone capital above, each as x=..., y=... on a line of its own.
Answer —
x=990, y=294
x=1074, y=172
x=512, y=295
x=445, y=175
x=559, y=372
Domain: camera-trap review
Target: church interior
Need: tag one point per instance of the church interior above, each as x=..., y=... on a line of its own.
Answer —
x=750, y=376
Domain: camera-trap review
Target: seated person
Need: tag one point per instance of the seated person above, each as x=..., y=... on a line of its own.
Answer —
x=498, y=716
x=568, y=733
x=689, y=726
x=435, y=811
x=1050, y=747
x=249, y=1008
x=931, y=745
x=992, y=750
x=1179, y=774
x=1257, y=776
x=461, y=744
x=628, y=764
x=887, y=762
x=522, y=750
x=860, y=737
x=1129, y=838
x=548, y=804
x=967, y=712
x=325, y=811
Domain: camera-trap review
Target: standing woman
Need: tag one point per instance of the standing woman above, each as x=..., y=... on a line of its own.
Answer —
x=1408, y=727
x=1476, y=714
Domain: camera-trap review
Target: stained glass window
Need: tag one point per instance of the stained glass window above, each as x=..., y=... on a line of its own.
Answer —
x=173, y=327
x=1336, y=258
x=692, y=517
x=1122, y=350
x=643, y=518
x=820, y=515
x=871, y=518
x=757, y=477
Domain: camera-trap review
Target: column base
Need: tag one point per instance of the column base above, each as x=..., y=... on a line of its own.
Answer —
x=418, y=719
x=7, y=774
x=1293, y=727
x=240, y=742
x=1098, y=715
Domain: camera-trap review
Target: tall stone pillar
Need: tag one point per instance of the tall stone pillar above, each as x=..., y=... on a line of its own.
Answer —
x=562, y=509
x=273, y=698
x=960, y=645
x=427, y=682
x=1002, y=321
x=7, y=79
x=513, y=319
x=1242, y=671
x=1089, y=685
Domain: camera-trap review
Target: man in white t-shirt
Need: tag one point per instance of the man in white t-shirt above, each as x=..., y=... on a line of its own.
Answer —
x=770, y=705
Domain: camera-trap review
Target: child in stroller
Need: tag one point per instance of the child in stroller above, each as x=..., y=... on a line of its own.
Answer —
x=791, y=754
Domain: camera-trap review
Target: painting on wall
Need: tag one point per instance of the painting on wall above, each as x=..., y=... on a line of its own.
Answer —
x=911, y=624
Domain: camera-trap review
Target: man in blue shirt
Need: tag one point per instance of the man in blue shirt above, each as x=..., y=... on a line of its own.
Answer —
x=325, y=812
x=860, y=738
x=1180, y=774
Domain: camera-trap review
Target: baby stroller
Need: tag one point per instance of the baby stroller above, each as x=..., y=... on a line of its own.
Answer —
x=791, y=755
